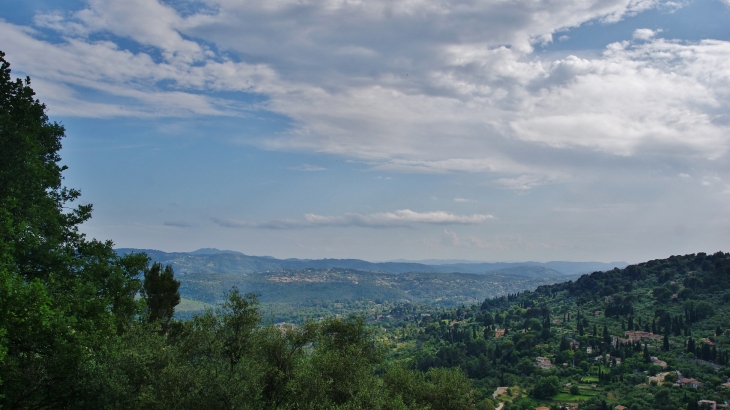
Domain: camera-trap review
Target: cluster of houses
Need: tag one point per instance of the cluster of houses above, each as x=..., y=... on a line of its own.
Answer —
x=635, y=336
x=609, y=359
x=543, y=362
x=631, y=337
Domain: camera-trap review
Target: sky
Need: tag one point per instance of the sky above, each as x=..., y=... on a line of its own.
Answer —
x=580, y=130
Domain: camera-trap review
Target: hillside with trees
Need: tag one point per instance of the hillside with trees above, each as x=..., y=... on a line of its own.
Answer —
x=650, y=336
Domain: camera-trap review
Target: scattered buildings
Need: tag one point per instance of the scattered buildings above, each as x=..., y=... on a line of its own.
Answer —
x=617, y=341
x=543, y=362
x=707, y=404
x=640, y=335
x=661, y=363
x=693, y=383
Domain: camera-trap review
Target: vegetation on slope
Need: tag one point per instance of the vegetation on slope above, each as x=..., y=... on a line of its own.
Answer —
x=287, y=291
x=650, y=336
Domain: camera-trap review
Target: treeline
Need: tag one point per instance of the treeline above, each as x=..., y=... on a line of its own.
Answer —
x=710, y=274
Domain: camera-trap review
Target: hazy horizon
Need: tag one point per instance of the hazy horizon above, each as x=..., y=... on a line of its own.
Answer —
x=421, y=261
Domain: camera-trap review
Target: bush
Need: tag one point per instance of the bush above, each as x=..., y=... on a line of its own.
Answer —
x=546, y=388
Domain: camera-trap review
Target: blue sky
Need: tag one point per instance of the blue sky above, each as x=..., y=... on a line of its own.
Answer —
x=418, y=129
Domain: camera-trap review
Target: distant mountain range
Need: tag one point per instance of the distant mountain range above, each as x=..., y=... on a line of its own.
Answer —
x=292, y=288
x=211, y=260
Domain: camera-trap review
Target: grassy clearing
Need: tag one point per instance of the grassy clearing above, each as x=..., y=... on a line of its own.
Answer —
x=567, y=397
x=190, y=305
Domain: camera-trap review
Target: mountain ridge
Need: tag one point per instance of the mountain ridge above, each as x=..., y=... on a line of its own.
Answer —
x=225, y=261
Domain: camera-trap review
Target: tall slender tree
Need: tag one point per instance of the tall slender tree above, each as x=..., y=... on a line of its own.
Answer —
x=160, y=291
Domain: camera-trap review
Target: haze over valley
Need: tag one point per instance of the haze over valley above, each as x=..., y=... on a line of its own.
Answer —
x=290, y=284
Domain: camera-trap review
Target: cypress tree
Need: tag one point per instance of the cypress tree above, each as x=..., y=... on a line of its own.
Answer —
x=160, y=291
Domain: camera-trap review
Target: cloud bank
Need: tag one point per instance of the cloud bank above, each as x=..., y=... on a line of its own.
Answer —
x=418, y=86
x=397, y=219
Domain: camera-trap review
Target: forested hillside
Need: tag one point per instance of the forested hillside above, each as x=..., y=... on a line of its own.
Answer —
x=650, y=336
x=290, y=293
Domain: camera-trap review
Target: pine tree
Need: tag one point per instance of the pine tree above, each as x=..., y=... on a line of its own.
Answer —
x=160, y=291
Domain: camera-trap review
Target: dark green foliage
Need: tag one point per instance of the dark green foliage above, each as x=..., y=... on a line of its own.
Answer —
x=439, y=388
x=160, y=291
x=36, y=232
x=546, y=387
x=61, y=296
x=228, y=359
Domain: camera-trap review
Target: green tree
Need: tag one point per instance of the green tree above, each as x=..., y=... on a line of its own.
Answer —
x=437, y=389
x=546, y=387
x=61, y=296
x=160, y=291
x=37, y=234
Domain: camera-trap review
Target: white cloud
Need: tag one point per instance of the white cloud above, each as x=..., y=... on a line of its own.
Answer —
x=463, y=200
x=130, y=81
x=645, y=33
x=659, y=97
x=522, y=182
x=376, y=82
x=400, y=218
x=149, y=23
